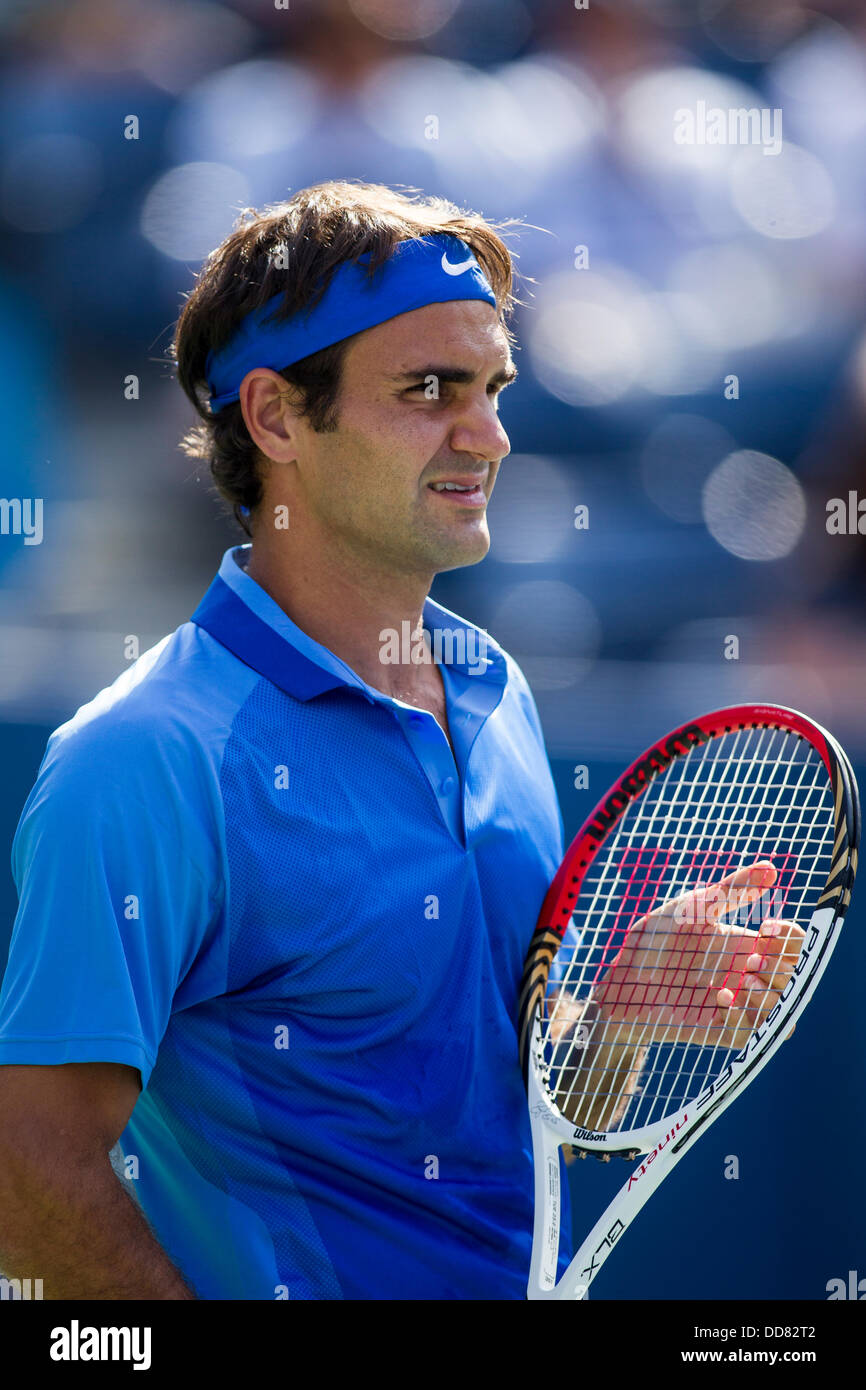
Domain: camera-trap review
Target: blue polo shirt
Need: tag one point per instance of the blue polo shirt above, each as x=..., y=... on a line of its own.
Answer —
x=276, y=893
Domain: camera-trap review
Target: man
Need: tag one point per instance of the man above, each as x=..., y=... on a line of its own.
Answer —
x=277, y=882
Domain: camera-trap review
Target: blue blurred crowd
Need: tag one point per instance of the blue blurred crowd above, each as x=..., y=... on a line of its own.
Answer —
x=692, y=351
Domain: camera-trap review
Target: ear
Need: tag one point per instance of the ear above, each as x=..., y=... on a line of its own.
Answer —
x=272, y=413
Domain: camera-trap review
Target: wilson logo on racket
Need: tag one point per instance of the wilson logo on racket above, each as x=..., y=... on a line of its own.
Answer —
x=647, y=1005
x=642, y=772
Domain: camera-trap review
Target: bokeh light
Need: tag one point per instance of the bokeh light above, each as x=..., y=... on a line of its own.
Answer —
x=820, y=80
x=394, y=19
x=676, y=460
x=249, y=109
x=647, y=113
x=754, y=506
x=191, y=208
x=551, y=629
x=590, y=336
x=787, y=196
x=509, y=126
x=531, y=512
x=747, y=32
x=733, y=296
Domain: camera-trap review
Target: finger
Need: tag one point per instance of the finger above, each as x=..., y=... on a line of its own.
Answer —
x=771, y=978
x=757, y=993
x=743, y=1005
x=739, y=1014
x=780, y=935
x=706, y=904
x=754, y=984
x=776, y=950
x=733, y=1023
x=743, y=1010
x=772, y=969
x=738, y=889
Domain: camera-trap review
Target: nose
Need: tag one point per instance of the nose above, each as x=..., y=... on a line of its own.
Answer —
x=480, y=431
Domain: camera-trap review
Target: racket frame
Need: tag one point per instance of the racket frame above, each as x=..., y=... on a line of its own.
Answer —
x=666, y=1141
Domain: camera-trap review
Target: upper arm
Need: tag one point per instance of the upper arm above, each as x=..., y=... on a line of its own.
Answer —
x=83, y=1107
x=119, y=879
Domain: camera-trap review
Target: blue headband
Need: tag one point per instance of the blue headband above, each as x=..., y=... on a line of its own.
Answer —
x=433, y=270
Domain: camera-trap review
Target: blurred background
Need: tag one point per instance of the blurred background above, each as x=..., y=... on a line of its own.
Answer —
x=692, y=398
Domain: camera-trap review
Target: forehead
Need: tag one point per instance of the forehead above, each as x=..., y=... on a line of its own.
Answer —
x=468, y=327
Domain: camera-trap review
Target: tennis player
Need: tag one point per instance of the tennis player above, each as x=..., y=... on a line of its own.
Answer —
x=277, y=882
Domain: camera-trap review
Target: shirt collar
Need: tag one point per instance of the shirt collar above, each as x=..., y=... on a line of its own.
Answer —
x=244, y=618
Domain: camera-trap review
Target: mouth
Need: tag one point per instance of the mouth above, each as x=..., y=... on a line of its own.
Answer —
x=466, y=492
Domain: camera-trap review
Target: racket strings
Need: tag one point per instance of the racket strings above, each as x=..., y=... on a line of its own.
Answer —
x=677, y=999
x=807, y=801
x=673, y=986
x=745, y=796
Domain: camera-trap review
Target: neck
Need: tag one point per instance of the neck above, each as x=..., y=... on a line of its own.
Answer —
x=345, y=603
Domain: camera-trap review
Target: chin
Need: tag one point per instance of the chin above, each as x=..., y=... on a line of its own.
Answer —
x=470, y=552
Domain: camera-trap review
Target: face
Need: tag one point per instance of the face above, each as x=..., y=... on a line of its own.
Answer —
x=417, y=409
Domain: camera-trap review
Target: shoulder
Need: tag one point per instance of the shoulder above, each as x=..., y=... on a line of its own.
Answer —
x=147, y=749
x=173, y=707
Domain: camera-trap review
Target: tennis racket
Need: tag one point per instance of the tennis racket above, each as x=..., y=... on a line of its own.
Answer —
x=682, y=937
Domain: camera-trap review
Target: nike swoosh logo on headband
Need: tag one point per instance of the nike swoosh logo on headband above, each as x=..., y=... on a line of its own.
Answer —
x=451, y=269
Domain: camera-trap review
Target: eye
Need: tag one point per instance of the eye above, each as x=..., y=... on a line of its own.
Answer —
x=423, y=389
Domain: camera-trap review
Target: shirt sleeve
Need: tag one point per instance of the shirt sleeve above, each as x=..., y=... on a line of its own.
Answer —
x=118, y=886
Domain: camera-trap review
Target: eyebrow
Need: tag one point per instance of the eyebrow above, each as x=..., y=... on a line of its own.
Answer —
x=459, y=376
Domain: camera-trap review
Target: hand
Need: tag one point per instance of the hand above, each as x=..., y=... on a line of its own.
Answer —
x=683, y=975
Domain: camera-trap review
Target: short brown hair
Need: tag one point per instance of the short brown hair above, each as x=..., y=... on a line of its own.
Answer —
x=312, y=234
